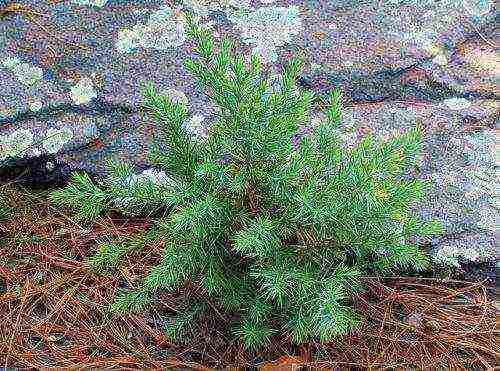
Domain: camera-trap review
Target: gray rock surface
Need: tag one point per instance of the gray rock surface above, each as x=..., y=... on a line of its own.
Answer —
x=70, y=74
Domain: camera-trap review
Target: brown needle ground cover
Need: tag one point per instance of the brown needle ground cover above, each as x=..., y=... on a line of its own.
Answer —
x=54, y=310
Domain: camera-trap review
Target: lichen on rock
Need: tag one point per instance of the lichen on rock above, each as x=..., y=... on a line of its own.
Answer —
x=98, y=3
x=83, y=92
x=268, y=28
x=162, y=31
x=131, y=205
x=10, y=62
x=24, y=72
x=23, y=142
x=175, y=95
x=55, y=139
x=194, y=125
x=457, y=104
x=198, y=7
x=15, y=144
x=471, y=248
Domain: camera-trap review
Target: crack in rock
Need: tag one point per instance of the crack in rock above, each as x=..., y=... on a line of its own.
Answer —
x=386, y=85
x=98, y=106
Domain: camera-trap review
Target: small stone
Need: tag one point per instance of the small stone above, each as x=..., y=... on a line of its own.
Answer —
x=36, y=152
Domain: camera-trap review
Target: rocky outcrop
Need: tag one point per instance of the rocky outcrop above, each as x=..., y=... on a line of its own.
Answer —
x=70, y=74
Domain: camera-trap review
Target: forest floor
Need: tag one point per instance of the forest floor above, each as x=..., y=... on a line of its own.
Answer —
x=54, y=309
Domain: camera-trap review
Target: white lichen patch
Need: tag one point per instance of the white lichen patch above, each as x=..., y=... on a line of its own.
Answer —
x=131, y=205
x=25, y=73
x=195, y=126
x=10, y=62
x=83, y=92
x=449, y=255
x=477, y=7
x=176, y=96
x=266, y=52
x=20, y=141
x=98, y=3
x=457, y=104
x=35, y=106
x=199, y=7
x=16, y=144
x=55, y=139
x=151, y=175
x=242, y=4
x=162, y=31
x=35, y=152
x=315, y=67
x=269, y=28
x=440, y=60
x=424, y=39
x=140, y=12
x=127, y=41
x=90, y=129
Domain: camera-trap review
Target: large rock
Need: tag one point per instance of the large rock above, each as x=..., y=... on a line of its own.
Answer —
x=70, y=74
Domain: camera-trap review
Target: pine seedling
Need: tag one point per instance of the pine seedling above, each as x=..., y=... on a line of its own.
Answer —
x=275, y=231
